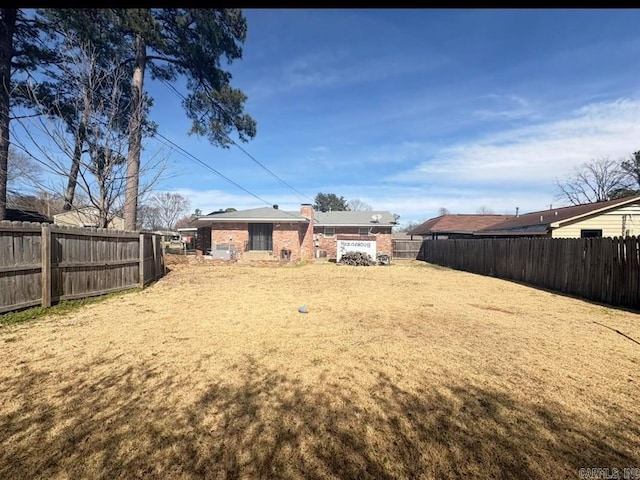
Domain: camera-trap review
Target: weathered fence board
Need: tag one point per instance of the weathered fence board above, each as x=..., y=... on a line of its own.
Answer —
x=41, y=263
x=406, y=248
x=601, y=269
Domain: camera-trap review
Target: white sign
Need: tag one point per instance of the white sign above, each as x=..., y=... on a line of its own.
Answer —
x=364, y=246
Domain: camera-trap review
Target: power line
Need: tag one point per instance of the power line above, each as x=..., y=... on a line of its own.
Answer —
x=189, y=155
x=300, y=194
x=174, y=146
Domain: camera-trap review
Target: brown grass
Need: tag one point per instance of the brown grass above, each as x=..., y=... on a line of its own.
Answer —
x=406, y=371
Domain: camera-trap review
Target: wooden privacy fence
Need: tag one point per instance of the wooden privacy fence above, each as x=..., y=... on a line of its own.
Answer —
x=41, y=264
x=406, y=248
x=605, y=270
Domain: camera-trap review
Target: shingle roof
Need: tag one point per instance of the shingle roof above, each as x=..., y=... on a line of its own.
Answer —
x=19, y=215
x=353, y=219
x=539, y=222
x=457, y=223
x=323, y=219
x=258, y=215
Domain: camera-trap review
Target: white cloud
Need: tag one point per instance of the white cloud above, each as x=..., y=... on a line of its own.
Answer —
x=504, y=107
x=328, y=68
x=535, y=155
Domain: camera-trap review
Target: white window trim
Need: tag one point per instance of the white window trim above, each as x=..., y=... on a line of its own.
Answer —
x=333, y=231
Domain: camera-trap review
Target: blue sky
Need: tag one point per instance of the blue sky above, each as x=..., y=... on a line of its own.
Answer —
x=412, y=110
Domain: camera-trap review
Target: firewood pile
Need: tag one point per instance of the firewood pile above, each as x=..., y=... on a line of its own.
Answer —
x=357, y=259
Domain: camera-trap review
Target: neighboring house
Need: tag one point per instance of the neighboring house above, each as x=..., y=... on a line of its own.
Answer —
x=86, y=217
x=167, y=237
x=271, y=233
x=455, y=226
x=613, y=218
x=19, y=215
x=188, y=237
x=329, y=227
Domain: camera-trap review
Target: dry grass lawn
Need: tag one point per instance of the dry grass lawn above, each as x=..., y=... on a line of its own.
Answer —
x=405, y=371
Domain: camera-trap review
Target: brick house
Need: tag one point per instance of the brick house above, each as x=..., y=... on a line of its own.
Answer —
x=274, y=234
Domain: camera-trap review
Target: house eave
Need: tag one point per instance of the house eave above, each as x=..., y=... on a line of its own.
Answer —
x=517, y=233
x=354, y=224
x=445, y=232
x=253, y=220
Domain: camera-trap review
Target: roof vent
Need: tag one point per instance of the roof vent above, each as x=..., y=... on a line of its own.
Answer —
x=275, y=207
x=541, y=218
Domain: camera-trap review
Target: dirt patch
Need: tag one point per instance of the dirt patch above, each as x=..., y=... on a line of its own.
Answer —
x=401, y=371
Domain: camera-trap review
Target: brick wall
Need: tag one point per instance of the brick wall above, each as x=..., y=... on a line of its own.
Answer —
x=293, y=236
x=238, y=232
x=307, y=248
x=330, y=244
x=289, y=236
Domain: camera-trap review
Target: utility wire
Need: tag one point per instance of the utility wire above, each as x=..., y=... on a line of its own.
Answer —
x=264, y=167
x=190, y=156
x=174, y=146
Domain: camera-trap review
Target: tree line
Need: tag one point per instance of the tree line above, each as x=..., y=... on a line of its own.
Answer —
x=74, y=80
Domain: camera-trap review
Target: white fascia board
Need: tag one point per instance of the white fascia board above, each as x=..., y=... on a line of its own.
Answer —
x=253, y=220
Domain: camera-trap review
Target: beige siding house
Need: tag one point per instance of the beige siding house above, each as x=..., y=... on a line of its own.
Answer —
x=85, y=217
x=614, y=218
x=619, y=222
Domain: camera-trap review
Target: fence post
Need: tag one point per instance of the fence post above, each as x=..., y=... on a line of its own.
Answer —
x=141, y=264
x=46, y=265
x=154, y=240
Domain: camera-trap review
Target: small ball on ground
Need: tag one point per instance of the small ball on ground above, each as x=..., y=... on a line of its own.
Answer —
x=303, y=309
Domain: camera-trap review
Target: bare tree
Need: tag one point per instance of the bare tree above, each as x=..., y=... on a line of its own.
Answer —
x=358, y=205
x=100, y=165
x=166, y=209
x=148, y=217
x=407, y=226
x=443, y=211
x=631, y=167
x=484, y=210
x=593, y=181
x=23, y=173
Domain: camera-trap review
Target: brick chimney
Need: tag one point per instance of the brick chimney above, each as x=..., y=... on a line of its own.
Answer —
x=306, y=210
x=307, y=250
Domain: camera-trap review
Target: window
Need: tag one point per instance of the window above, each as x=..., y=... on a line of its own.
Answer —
x=590, y=233
x=329, y=232
x=363, y=231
